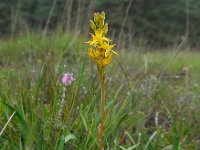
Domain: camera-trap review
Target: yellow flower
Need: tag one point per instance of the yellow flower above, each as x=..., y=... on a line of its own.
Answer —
x=101, y=57
x=94, y=54
x=103, y=62
x=101, y=51
x=97, y=39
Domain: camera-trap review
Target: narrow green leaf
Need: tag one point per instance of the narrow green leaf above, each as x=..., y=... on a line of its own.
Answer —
x=70, y=137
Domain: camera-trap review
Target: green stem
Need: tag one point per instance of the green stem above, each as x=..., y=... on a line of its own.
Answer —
x=101, y=126
x=102, y=98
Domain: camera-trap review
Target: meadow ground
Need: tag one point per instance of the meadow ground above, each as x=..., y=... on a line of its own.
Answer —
x=152, y=99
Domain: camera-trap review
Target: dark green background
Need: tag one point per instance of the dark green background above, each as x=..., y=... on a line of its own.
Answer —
x=154, y=22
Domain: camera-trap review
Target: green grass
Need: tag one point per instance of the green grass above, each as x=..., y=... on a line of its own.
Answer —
x=31, y=68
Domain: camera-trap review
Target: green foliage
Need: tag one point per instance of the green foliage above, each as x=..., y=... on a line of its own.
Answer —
x=30, y=86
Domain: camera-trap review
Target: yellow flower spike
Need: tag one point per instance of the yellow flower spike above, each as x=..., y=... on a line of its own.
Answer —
x=101, y=53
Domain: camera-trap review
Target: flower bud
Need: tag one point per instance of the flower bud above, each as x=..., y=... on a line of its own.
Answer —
x=96, y=17
x=105, y=29
x=103, y=15
x=92, y=25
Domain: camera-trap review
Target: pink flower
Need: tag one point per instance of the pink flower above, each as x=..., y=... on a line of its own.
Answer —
x=67, y=79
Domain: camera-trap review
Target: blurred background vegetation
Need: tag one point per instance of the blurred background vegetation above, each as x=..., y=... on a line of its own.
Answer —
x=146, y=23
x=152, y=97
